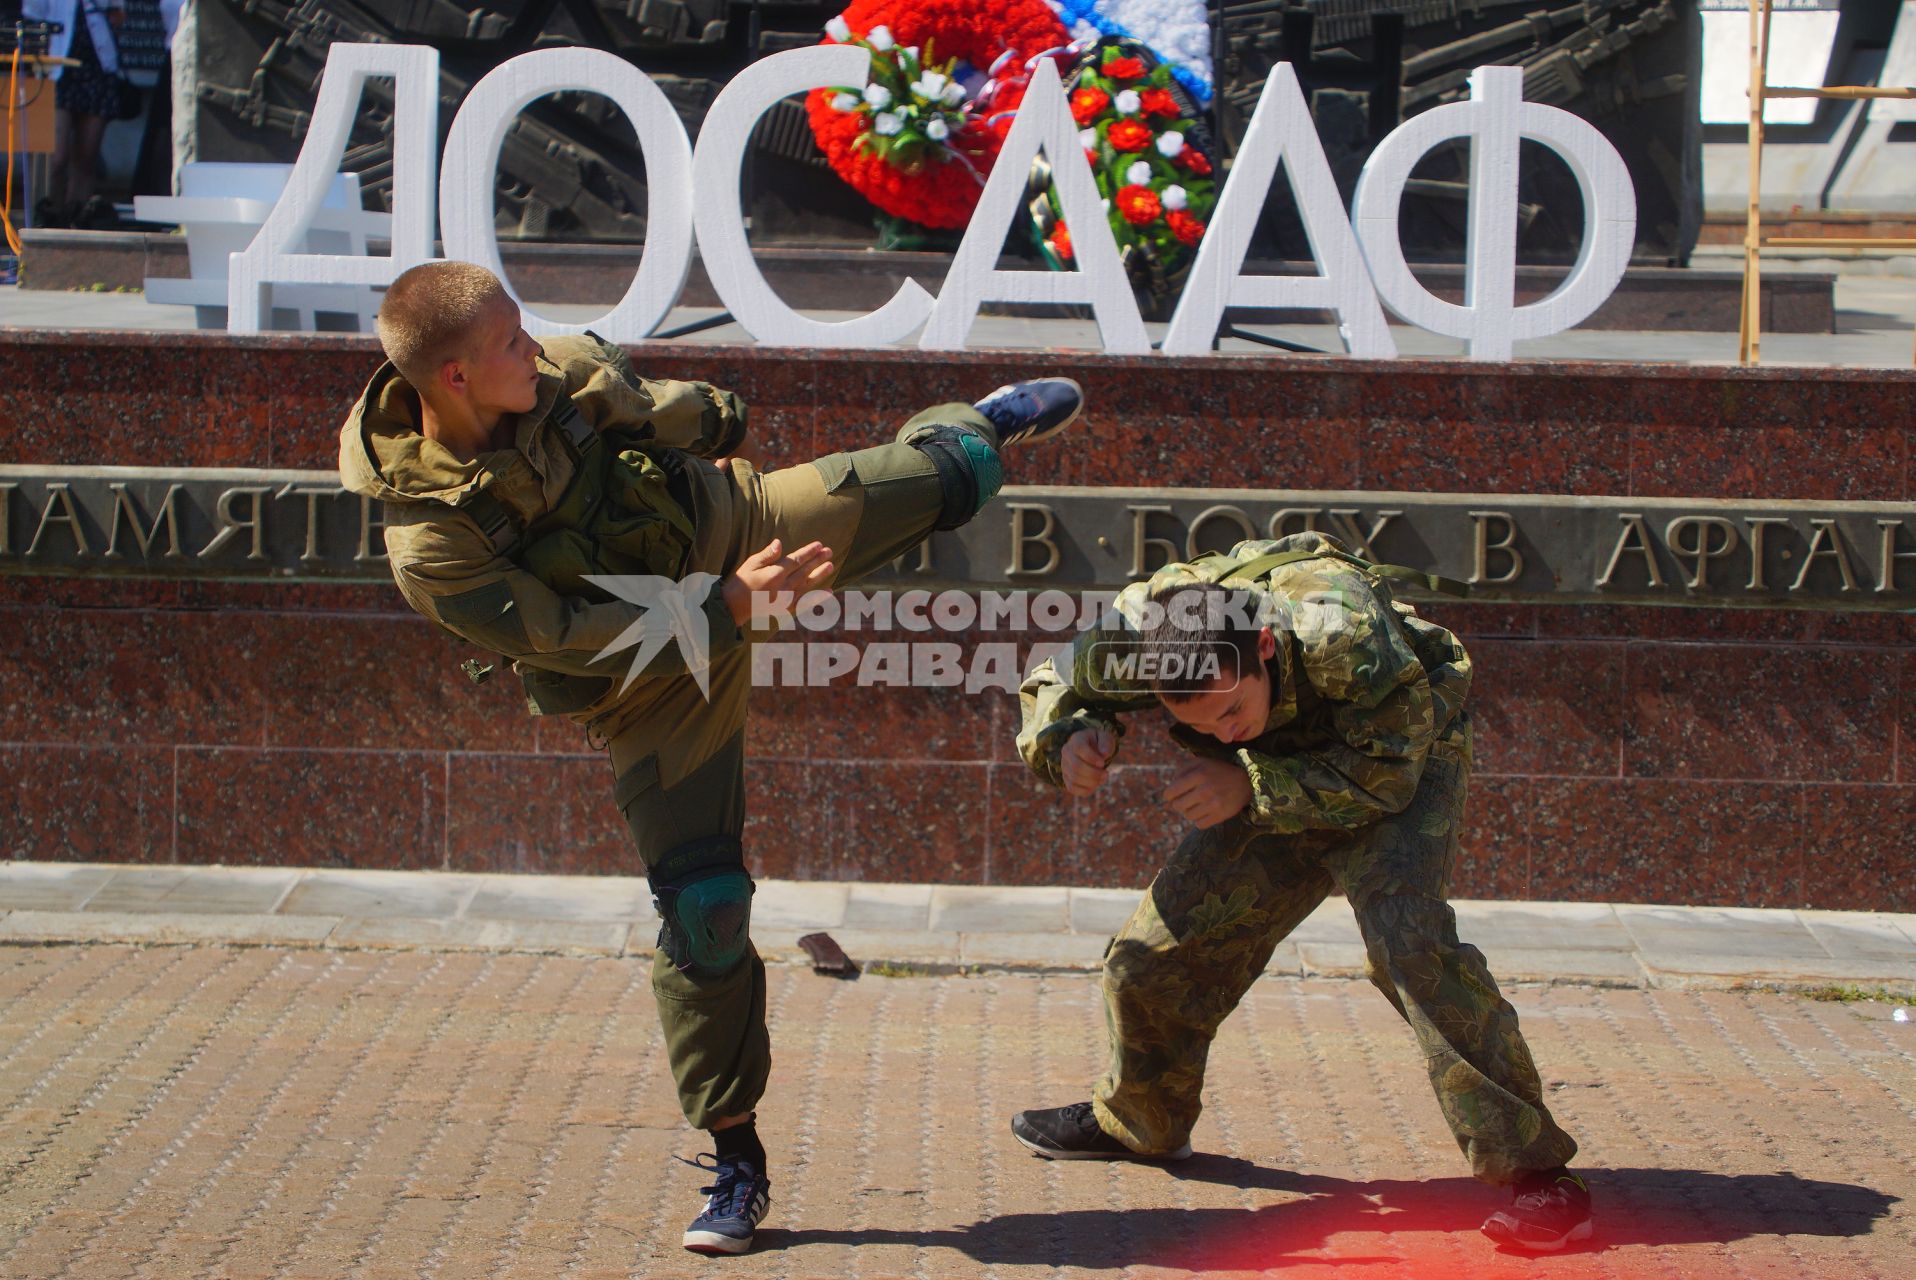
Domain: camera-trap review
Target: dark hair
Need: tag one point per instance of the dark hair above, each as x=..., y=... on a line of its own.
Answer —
x=1194, y=625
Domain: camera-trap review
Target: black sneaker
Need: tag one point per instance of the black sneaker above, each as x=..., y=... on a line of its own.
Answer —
x=1027, y=412
x=1073, y=1133
x=740, y=1196
x=1547, y=1211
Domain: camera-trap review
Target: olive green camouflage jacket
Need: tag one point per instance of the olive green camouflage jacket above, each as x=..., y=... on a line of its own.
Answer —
x=1361, y=687
x=441, y=556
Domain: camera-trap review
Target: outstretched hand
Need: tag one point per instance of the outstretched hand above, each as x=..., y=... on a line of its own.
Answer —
x=776, y=578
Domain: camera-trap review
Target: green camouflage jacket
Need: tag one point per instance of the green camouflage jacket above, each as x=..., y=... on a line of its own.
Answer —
x=446, y=565
x=1361, y=686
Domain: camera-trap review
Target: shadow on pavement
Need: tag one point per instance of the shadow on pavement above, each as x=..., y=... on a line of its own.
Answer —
x=1635, y=1207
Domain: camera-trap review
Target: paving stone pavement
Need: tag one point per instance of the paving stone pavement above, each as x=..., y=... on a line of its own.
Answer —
x=206, y=1110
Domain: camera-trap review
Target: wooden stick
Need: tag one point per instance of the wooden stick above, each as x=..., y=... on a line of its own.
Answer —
x=1887, y=244
x=1749, y=335
x=1845, y=91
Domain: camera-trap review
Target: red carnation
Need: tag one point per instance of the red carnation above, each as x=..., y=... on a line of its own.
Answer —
x=1186, y=228
x=942, y=193
x=1125, y=68
x=1139, y=205
x=1131, y=135
x=1193, y=160
x=1158, y=102
x=1086, y=103
x=1061, y=243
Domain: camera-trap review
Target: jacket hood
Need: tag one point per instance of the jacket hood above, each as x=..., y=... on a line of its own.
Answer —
x=383, y=454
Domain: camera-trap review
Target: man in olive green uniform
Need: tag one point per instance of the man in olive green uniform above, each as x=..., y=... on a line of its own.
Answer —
x=523, y=486
x=1333, y=753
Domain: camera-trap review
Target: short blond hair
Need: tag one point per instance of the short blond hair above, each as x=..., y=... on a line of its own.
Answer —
x=430, y=313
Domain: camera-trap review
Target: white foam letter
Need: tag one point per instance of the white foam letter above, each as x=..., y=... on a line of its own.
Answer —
x=472, y=160
x=1281, y=130
x=1044, y=124
x=415, y=131
x=720, y=220
x=1494, y=119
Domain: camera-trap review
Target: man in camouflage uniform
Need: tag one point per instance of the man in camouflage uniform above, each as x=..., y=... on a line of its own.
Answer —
x=517, y=478
x=1333, y=752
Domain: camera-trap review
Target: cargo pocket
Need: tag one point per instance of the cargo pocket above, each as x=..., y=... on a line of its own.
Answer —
x=837, y=470
x=488, y=616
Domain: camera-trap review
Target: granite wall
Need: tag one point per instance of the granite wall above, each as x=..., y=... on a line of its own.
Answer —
x=1688, y=755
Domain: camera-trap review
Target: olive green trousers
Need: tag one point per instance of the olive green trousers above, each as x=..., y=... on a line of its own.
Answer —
x=678, y=755
x=1230, y=894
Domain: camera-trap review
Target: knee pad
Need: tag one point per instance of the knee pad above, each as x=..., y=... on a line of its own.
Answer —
x=704, y=899
x=968, y=471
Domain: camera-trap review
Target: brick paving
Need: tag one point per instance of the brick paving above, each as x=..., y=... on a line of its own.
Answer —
x=189, y=1111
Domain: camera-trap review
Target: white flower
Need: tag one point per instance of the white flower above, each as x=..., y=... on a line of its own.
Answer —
x=877, y=96
x=911, y=51
x=1174, y=197
x=1139, y=174
x=1170, y=144
x=1127, y=102
x=1088, y=139
x=930, y=86
x=845, y=102
x=880, y=39
x=886, y=124
x=839, y=29
x=937, y=130
x=954, y=94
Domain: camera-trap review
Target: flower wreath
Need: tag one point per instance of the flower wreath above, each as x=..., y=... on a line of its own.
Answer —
x=946, y=76
x=1150, y=154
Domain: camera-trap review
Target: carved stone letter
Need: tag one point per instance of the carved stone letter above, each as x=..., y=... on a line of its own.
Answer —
x=1044, y=537
x=1633, y=523
x=1480, y=558
x=123, y=508
x=1141, y=543
x=230, y=525
x=59, y=493
x=1826, y=530
x=1705, y=548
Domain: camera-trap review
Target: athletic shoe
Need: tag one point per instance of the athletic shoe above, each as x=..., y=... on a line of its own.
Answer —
x=1073, y=1133
x=740, y=1197
x=1547, y=1211
x=1028, y=412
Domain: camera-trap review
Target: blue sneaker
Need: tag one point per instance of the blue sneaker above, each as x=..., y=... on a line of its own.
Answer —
x=740, y=1197
x=1028, y=412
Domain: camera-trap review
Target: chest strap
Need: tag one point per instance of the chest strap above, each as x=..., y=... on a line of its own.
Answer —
x=495, y=520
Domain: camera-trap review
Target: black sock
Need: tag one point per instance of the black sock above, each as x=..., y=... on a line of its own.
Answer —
x=740, y=1141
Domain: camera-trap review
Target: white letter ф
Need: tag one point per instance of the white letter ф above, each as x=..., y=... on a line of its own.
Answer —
x=719, y=219
x=414, y=69
x=1494, y=119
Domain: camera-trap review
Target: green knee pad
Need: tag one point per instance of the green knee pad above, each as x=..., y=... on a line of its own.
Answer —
x=968, y=469
x=704, y=898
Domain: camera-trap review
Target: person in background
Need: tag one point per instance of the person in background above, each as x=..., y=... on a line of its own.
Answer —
x=86, y=98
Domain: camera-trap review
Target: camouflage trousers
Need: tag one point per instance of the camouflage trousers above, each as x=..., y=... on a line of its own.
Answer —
x=678, y=750
x=1230, y=894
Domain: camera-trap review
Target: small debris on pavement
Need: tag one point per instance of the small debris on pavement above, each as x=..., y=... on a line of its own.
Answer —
x=827, y=956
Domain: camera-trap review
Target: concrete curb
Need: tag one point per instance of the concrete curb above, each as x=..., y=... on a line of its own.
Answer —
x=916, y=928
